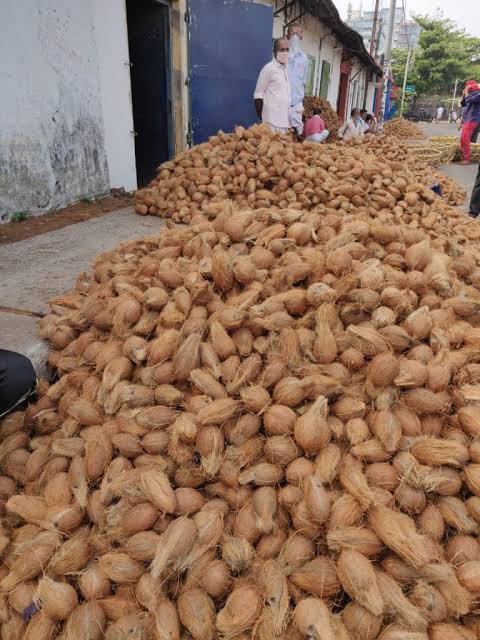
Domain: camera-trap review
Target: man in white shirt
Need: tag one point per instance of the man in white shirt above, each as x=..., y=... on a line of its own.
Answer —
x=297, y=74
x=352, y=128
x=272, y=93
x=362, y=123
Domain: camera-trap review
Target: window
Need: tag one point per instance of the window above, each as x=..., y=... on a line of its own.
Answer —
x=310, y=76
x=354, y=94
x=325, y=80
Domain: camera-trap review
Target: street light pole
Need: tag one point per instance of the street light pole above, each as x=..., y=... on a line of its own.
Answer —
x=454, y=94
x=374, y=29
x=388, y=56
x=407, y=68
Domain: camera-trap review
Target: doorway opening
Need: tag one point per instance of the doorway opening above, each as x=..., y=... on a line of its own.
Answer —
x=344, y=84
x=148, y=24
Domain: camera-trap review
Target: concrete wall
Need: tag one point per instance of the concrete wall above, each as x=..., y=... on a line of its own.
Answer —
x=370, y=97
x=51, y=122
x=358, y=82
x=319, y=43
x=111, y=37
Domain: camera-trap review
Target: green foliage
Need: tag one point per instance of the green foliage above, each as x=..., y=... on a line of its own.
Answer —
x=399, y=60
x=20, y=216
x=446, y=53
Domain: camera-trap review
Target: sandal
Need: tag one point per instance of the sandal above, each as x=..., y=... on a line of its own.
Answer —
x=464, y=162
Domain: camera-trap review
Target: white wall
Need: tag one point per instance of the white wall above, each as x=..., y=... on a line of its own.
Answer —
x=335, y=58
x=51, y=124
x=319, y=43
x=370, y=96
x=111, y=36
x=356, y=87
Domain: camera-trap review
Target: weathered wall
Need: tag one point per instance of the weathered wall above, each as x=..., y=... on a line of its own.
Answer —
x=51, y=124
x=332, y=52
x=356, y=89
x=321, y=44
x=111, y=37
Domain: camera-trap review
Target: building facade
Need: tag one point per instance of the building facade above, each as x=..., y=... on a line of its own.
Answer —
x=405, y=32
x=96, y=95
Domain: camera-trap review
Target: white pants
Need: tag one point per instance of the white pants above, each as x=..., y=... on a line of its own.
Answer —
x=296, y=117
x=318, y=137
x=277, y=129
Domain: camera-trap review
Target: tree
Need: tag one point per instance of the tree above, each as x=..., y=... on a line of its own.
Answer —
x=399, y=60
x=445, y=54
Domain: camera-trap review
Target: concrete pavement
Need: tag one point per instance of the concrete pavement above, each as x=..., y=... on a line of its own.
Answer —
x=35, y=270
x=463, y=174
x=442, y=128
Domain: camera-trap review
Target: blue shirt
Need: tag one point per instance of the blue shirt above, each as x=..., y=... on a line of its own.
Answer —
x=471, y=107
x=297, y=74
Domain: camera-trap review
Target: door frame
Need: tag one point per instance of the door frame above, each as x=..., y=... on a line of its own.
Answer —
x=168, y=58
x=344, y=85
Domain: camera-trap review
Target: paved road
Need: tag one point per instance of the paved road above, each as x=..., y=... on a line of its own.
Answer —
x=441, y=129
x=464, y=175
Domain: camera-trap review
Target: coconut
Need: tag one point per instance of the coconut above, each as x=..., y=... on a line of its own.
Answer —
x=311, y=431
x=57, y=599
x=360, y=622
x=357, y=577
x=318, y=577
x=240, y=612
x=313, y=619
x=398, y=531
x=87, y=621
x=94, y=583
x=197, y=613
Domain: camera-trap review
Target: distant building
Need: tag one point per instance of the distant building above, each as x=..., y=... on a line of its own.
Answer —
x=405, y=33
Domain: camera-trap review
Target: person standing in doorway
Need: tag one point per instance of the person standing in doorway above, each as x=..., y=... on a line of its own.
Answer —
x=439, y=113
x=297, y=74
x=272, y=93
x=470, y=116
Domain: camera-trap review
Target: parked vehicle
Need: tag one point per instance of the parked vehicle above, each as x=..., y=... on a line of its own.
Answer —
x=418, y=116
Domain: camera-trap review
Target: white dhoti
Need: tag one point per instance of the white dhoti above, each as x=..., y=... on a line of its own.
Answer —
x=276, y=129
x=296, y=113
x=318, y=137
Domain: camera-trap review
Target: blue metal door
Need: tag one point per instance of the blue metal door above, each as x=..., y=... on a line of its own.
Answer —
x=229, y=42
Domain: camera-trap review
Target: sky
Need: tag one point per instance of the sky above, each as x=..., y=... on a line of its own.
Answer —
x=466, y=13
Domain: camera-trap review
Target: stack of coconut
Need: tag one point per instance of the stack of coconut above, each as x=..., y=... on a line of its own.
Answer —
x=452, y=192
x=255, y=168
x=404, y=129
x=329, y=116
x=265, y=424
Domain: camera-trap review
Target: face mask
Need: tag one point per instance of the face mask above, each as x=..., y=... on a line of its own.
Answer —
x=294, y=44
x=282, y=57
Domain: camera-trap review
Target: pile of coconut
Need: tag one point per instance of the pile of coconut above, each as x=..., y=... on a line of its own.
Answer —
x=264, y=425
x=255, y=168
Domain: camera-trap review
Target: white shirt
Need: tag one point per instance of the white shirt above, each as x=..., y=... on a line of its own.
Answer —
x=363, y=125
x=350, y=130
x=273, y=88
x=297, y=74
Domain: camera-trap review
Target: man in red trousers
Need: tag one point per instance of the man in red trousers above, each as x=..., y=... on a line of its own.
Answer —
x=471, y=117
